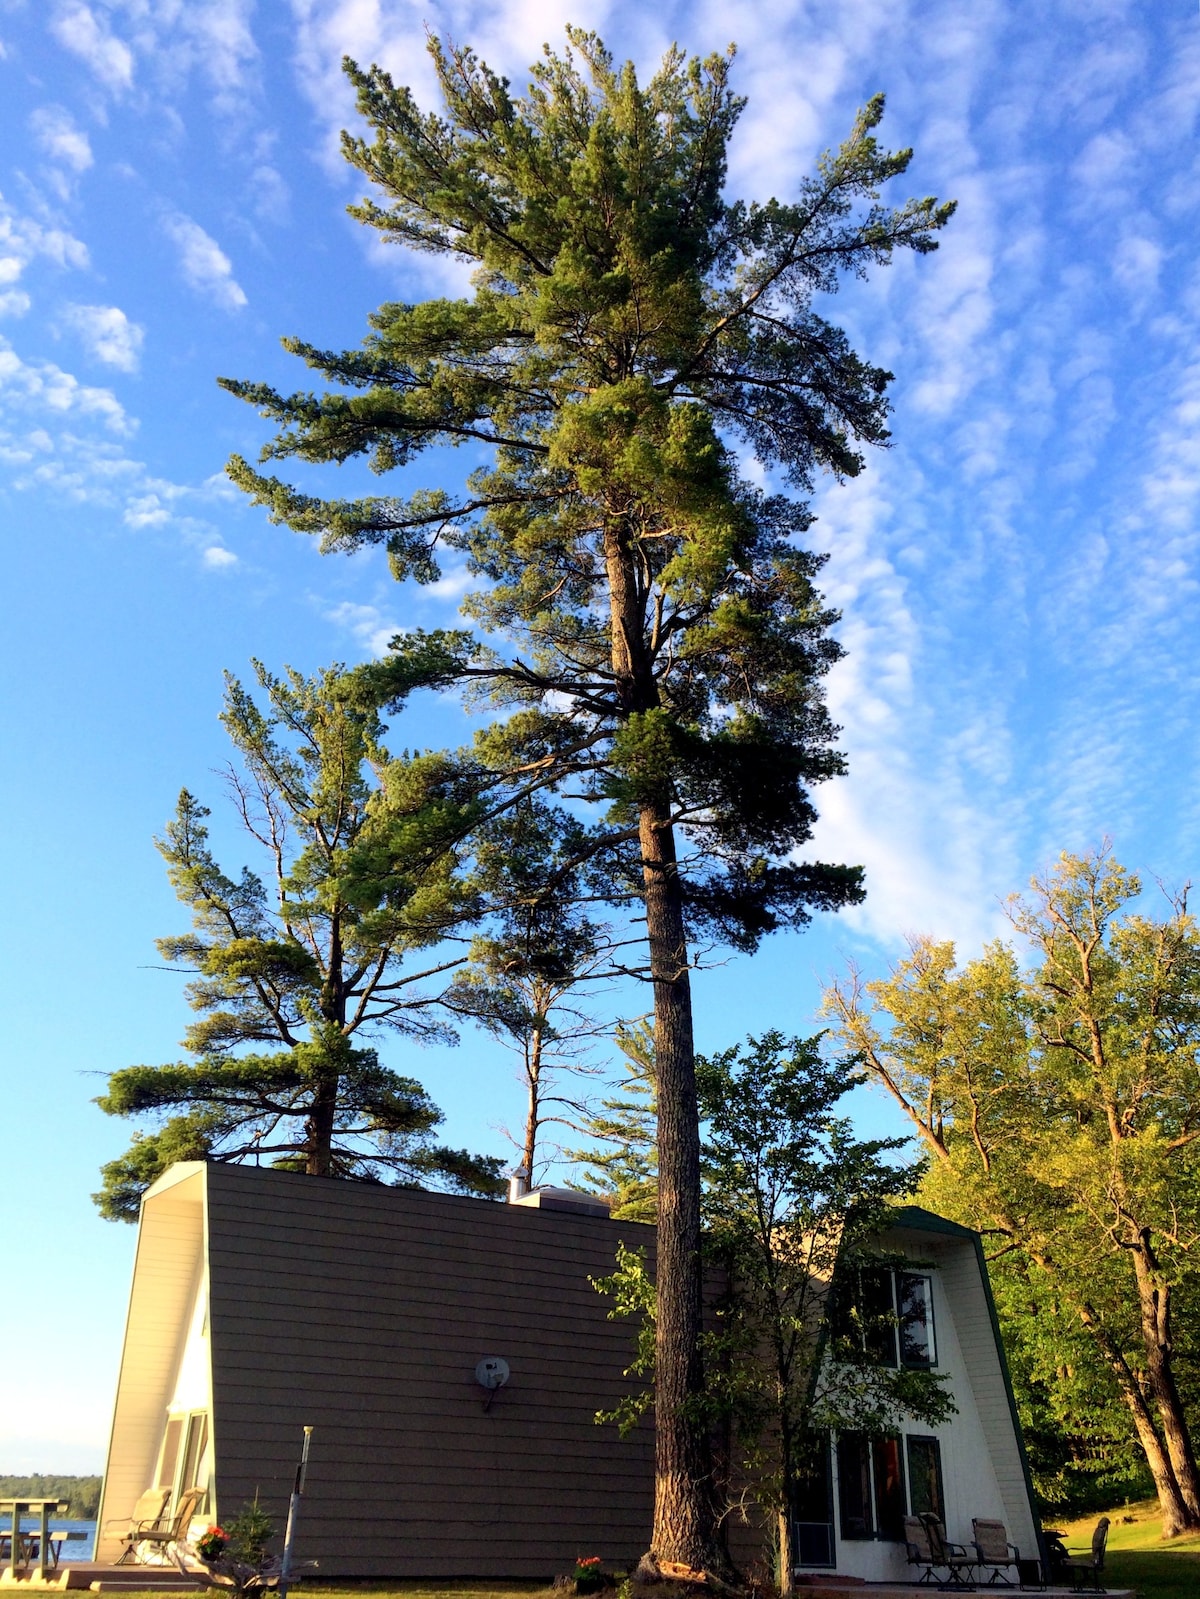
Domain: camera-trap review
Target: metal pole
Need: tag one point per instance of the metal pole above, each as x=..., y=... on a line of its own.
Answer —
x=285, y=1565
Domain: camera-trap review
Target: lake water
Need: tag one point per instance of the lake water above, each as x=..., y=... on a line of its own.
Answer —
x=76, y=1548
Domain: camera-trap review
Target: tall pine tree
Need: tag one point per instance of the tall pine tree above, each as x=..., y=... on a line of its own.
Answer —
x=656, y=640
x=291, y=971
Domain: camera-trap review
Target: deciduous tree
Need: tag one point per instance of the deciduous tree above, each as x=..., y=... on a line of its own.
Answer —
x=657, y=640
x=794, y=1206
x=1060, y=1106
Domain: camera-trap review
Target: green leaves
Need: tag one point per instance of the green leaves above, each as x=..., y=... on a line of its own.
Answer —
x=361, y=855
x=627, y=326
x=1059, y=1102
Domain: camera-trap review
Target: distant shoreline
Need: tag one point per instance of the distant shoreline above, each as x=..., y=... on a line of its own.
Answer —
x=80, y=1493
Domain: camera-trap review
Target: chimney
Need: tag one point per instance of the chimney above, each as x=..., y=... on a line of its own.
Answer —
x=518, y=1185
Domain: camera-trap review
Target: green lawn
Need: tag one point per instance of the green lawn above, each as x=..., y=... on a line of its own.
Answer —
x=1138, y=1557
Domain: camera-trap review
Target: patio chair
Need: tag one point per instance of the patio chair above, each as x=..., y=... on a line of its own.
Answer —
x=147, y=1514
x=173, y=1528
x=953, y=1557
x=1085, y=1573
x=993, y=1548
x=920, y=1551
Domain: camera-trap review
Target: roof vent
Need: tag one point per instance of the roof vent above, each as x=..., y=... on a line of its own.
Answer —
x=518, y=1185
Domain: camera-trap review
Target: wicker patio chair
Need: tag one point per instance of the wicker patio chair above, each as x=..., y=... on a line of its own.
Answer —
x=993, y=1548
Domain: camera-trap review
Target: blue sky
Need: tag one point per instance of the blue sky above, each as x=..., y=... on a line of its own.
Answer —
x=1018, y=574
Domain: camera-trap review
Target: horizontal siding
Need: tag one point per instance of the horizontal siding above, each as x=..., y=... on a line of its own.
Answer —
x=362, y=1311
x=977, y=1338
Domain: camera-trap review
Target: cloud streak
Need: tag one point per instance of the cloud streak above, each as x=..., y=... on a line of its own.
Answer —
x=205, y=266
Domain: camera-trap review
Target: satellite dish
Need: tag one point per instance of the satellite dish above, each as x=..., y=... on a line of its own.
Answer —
x=492, y=1372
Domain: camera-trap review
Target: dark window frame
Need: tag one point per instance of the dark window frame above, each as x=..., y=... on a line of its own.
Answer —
x=861, y=1514
x=881, y=1320
x=934, y=1445
x=903, y=1322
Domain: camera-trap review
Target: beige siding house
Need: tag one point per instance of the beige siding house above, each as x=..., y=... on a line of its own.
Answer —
x=263, y=1302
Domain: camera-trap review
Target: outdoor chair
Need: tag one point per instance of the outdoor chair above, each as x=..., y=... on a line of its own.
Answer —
x=173, y=1527
x=920, y=1551
x=953, y=1557
x=993, y=1549
x=147, y=1514
x=1086, y=1573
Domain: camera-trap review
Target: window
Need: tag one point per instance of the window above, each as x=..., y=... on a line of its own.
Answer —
x=914, y=1316
x=812, y=1503
x=889, y=1488
x=193, y=1455
x=870, y=1487
x=891, y=1312
x=854, y=1486
x=170, y=1452
x=184, y=1461
x=925, y=1477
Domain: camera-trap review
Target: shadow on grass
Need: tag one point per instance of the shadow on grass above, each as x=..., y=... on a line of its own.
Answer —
x=1155, y=1573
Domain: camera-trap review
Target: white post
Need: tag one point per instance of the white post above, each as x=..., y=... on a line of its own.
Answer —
x=285, y=1565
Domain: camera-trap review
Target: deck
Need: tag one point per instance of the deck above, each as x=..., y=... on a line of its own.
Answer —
x=90, y=1574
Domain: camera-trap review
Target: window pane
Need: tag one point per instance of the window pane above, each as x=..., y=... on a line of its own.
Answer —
x=197, y=1437
x=812, y=1499
x=917, y=1347
x=889, y=1488
x=925, y=1477
x=879, y=1316
x=854, y=1486
x=812, y=1502
x=170, y=1454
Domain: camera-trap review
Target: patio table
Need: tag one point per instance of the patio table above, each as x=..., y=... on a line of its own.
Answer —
x=43, y=1509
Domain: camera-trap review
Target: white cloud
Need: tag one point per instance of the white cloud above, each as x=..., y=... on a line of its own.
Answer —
x=205, y=265
x=86, y=34
x=58, y=135
x=367, y=624
x=22, y=240
x=452, y=585
x=14, y=302
x=217, y=558
x=1137, y=264
x=41, y=384
x=107, y=334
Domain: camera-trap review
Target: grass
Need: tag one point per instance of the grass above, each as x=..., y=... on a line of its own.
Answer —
x=1137, y=1556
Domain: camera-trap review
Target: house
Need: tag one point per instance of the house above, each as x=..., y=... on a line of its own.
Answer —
x=264, y=1302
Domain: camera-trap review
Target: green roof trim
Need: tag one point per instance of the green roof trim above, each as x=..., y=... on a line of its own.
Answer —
x=926, y=1221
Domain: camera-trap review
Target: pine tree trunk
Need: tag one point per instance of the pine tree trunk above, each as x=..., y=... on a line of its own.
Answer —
x=319, y=1131
x=533, y=1111
x=684, y=1521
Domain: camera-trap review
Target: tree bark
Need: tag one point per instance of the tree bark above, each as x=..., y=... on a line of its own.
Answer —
x=533, y=1116
x=1175, y=1516
x=1154, y=1300
x=684, y=1514
x=685, y=1520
